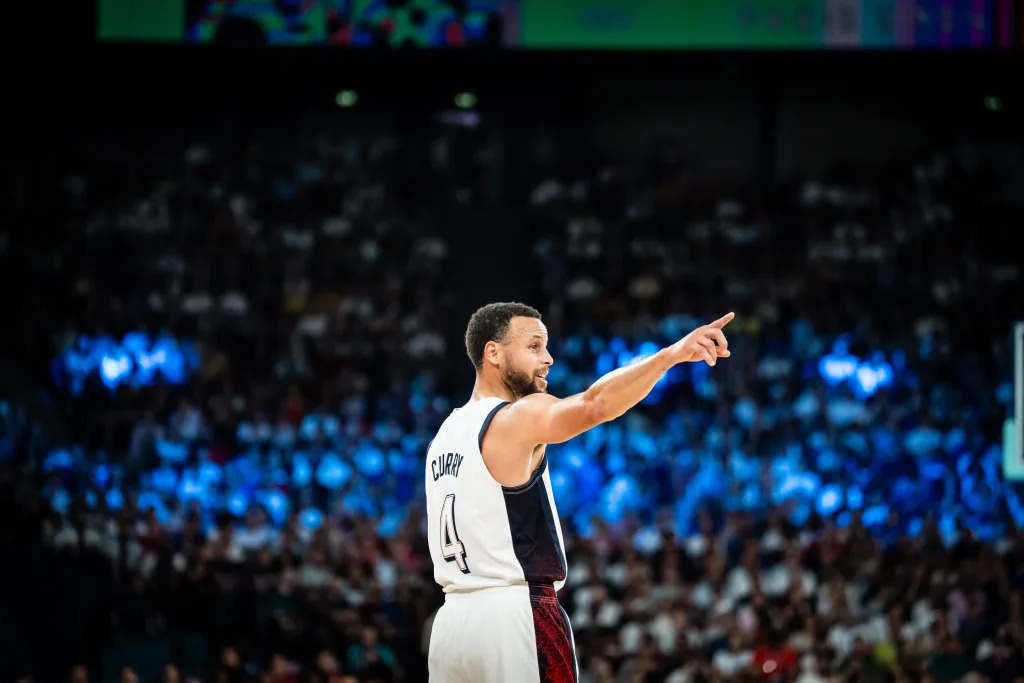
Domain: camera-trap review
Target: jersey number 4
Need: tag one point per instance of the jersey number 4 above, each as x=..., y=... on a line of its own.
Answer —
x=451, y=547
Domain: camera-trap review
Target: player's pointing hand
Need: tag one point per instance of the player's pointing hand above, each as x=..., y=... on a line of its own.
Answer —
x=706, y=343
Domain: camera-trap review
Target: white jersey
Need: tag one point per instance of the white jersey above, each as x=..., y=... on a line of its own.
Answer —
x=482, y=534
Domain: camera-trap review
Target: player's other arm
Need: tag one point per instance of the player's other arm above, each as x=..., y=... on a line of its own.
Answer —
x=544, y=419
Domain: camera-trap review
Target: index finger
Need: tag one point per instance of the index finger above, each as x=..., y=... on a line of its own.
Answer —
x=723, y=321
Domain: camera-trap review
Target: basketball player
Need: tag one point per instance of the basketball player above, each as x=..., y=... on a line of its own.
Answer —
x=493, y=528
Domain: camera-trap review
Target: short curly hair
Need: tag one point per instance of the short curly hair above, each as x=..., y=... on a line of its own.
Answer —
x=490, y=323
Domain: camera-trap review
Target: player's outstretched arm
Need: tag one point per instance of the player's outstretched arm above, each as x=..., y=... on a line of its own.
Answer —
x=544, y=419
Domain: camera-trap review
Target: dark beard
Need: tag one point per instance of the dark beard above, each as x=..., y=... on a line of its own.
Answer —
x=519, y=383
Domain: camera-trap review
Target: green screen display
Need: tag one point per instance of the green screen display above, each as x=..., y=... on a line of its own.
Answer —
x=153, y=20
x=674, y=24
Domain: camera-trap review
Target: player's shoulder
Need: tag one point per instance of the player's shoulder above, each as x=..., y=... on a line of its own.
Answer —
x=512, y=418
x=529, y=406
x=480, y=406
x=475, y=411
x=475, y=416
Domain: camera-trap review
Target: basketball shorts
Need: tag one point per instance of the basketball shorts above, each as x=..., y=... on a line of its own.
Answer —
x=513, y=634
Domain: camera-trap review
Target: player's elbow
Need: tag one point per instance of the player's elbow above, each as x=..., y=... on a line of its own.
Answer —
x=598, y=408
x=596, y=411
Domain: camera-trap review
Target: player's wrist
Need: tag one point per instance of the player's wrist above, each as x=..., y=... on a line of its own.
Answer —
x=671, y=356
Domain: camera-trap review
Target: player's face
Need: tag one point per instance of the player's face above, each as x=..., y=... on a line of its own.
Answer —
x=527, y=360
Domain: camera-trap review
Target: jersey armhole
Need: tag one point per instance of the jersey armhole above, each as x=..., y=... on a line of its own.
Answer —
x=534, y=476
x=487, y=423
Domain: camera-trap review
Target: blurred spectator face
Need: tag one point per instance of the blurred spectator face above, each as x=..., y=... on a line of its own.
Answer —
x=705, y=523
x=282, y=670
x=254, y=518
x=79, y=674
x=601, y=670
x=171, y=674
x=369, y=636
x=128, y=675
x=230, y=658
x=326, y=662
x=288, y=581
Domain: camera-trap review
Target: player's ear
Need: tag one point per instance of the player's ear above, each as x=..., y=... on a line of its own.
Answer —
x=492, y=353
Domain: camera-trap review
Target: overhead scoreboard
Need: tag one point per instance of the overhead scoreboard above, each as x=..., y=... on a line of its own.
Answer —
x=574, y=24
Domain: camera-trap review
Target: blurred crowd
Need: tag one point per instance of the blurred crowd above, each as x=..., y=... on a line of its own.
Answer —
x=826, y=506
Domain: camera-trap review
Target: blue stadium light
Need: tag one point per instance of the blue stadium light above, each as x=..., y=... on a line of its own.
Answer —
x=391, y=522
x=582, y=521
x=369, y=460
x=915, y=527
x=58, y=460
x=854, y=498
x=164, y=479
x=60, y=501
x=149, y=500
x=830, y=500
x=573, y=457
x=310, y=426
x=211, y=474
x=800, y=485
x=114, y=499
x=400, y=463
x=101, y=475
x=875, y=515
x=561, y=487
x=277, y=505
x=837, y=368
x=190, y=488
x=302, y=471
x=332, y=473
x=169, y=450
x=589, y=480
x=238, y=503
x=871, y=377
x=136, y=359
x=311, y=518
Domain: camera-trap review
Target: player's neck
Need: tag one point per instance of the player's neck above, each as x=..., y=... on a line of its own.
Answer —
x=486, y=387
